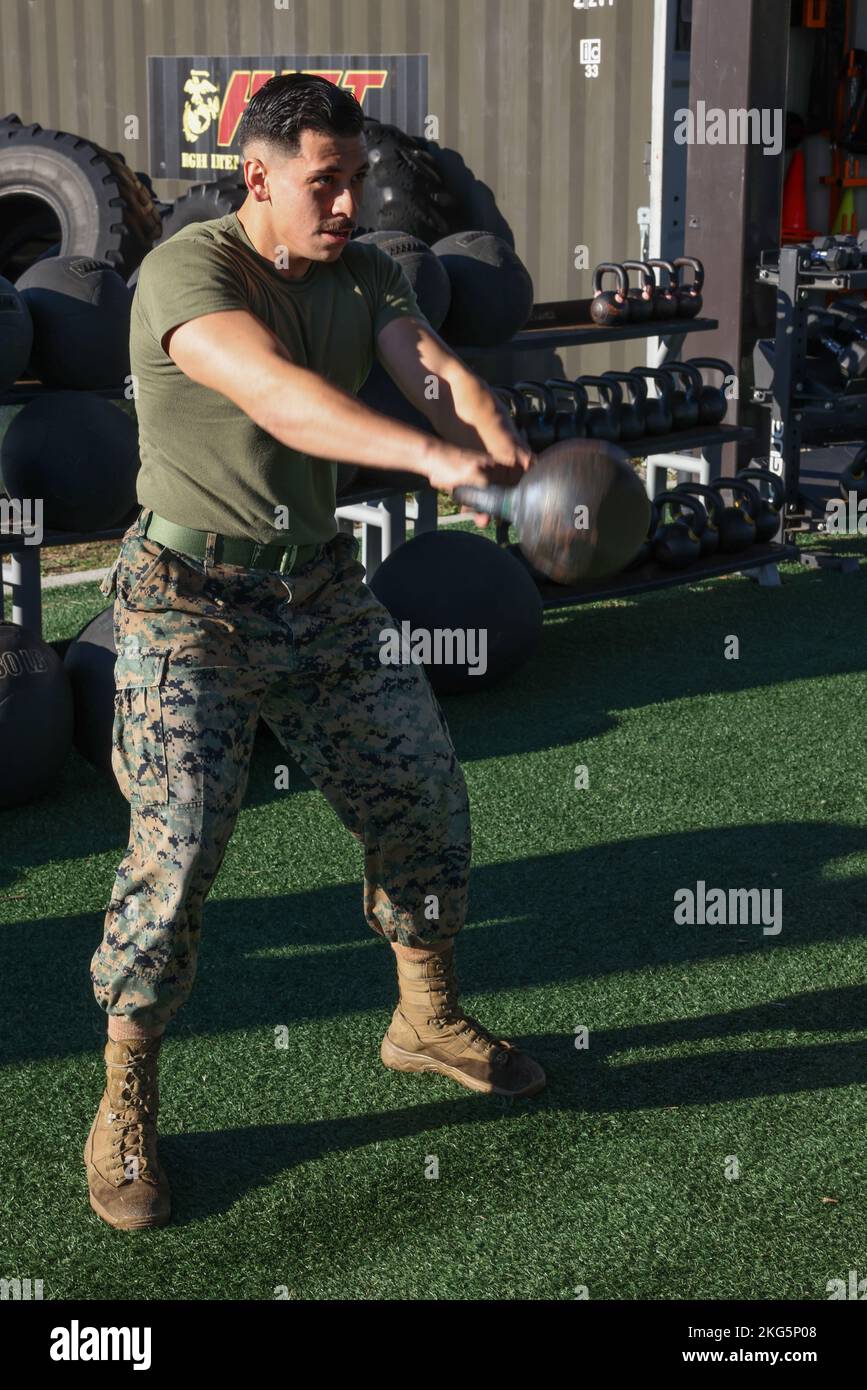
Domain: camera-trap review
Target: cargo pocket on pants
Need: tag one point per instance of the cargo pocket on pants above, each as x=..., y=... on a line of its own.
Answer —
x=138, y=755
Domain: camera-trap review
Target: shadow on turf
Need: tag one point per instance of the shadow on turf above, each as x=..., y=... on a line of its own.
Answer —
x=550, y=921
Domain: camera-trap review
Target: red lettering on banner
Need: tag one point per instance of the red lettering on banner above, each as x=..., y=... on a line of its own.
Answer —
x=361, y=81
x=241, y=86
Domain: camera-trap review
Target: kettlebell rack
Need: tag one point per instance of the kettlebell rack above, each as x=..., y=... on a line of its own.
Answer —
x=567, y=323
x=803, y=411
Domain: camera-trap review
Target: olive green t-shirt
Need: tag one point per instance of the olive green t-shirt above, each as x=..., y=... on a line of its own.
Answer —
x=204, y=462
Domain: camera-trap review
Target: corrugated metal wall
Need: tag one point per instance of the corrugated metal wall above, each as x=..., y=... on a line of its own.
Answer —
x=564, y=154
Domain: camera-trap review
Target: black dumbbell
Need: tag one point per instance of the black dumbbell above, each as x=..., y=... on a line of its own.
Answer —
x=854, y=478
x=850, y=357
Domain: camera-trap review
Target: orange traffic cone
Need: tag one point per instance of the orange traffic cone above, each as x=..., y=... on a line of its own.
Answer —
x=795, y=202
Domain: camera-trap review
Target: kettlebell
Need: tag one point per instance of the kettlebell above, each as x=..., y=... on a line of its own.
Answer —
x=737, y=527
x=689, y=297
x=712, y=402
x=767, y=517
x=641, y=299
x=603, y=420
x=632, y=411
x=657, y=409
x=678, y=544
x=609, y=307
x=516, y=405
x=542, y=411
x=571, y=402
x=714, y=506
x=665, y=297
x=685, y=404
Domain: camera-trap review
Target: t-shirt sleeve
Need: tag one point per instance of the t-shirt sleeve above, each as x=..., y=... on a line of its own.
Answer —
x=185, y=279
x=394, y=294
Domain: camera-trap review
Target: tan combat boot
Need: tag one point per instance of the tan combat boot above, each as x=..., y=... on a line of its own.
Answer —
x=428, y=1032
x=128, y=1189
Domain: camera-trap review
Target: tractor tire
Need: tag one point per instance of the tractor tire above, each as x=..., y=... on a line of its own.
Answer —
x=203, y=203
x=100, y=207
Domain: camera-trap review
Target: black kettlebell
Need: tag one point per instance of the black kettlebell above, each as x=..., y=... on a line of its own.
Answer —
x=542, y=411
x=571, y=402
x=767, y=518
x=641, y=299
x=678, y=544
x=603, y=420
x=714, y=506
x=516, y=405
x=854, y=478
x=685, y=404
x=737, y=526
x=632, y=410
x=646, y=550
x=665, y=297
x=658, y=418
x=689, y=297
x=610, y=307
x=712, y=401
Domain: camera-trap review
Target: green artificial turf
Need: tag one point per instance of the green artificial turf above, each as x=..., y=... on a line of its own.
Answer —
x=302, y=1169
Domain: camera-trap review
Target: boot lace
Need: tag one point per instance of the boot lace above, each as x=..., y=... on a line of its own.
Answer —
x=128, y=1145
x=451, y=1017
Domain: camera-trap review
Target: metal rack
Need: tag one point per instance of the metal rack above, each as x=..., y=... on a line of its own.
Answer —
x=567, y=324
x=805, y=412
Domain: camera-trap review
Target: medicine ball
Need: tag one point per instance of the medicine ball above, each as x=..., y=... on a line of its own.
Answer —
x=16, y=334
x=492, y=293
x=89, y=662
x=426, y=273
x=80, y=309
x=35, y=715
x=481, y=601
x=79, y=454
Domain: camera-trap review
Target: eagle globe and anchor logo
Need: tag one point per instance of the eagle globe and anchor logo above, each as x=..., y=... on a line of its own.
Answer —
x=203, y=106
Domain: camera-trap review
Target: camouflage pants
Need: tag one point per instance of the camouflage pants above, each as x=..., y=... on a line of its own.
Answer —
x=204, y=650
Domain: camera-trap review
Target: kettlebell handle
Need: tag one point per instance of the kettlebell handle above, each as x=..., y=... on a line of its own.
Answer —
x=610, y=268
x=697, y=269
x=647, y=276
x=679, y=501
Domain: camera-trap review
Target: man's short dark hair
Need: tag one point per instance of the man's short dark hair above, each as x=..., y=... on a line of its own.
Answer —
x=296, y=101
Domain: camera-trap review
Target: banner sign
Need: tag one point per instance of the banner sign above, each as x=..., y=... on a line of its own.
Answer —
x=195, y=104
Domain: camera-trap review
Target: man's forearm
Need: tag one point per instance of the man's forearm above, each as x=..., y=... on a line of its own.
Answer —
x=466, y=413
x=315, y=417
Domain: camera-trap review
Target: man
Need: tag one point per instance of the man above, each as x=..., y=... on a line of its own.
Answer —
x=238, y=597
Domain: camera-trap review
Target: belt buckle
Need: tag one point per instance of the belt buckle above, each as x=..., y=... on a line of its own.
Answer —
x=289, y=556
